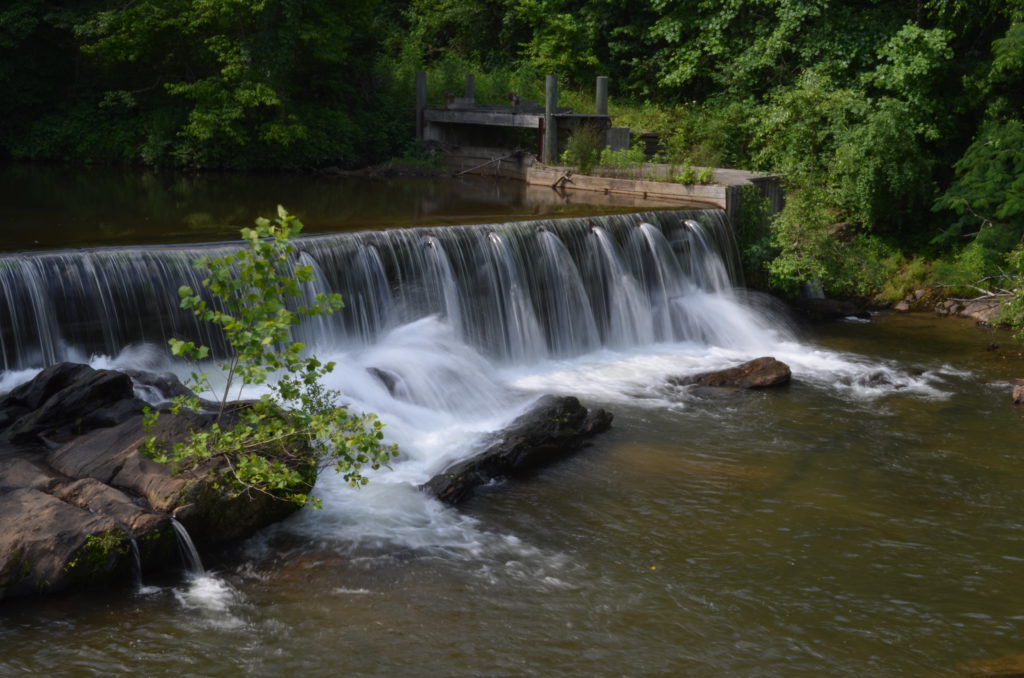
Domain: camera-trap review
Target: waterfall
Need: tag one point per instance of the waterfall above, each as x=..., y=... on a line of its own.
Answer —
x=517, y=292
x=136, y=562
x=187, y=549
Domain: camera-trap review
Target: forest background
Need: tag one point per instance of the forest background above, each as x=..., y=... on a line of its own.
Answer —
x=897, y=125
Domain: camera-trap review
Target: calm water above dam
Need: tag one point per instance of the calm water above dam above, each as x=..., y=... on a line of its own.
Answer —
x=51, y=207
x=867, y=520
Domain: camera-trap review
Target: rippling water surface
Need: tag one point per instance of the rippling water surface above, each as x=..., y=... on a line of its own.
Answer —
x=865, y=521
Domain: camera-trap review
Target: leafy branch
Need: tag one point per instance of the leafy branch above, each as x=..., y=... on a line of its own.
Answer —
x=278, y=443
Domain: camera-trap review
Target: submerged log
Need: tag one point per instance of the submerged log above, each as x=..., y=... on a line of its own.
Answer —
x=554, y=428
x=75, y=488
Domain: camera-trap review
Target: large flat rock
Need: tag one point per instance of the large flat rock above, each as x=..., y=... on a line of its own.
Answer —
x=76, y=489
x=43, y=543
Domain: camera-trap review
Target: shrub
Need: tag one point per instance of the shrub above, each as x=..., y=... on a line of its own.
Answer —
x=815, y=249
x=583, y=147
x=1013, y=311
x=753, y=234
x=277, y=444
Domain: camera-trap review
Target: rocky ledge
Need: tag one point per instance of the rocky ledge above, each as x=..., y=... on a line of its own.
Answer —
x=552, y=429
x=75, y=490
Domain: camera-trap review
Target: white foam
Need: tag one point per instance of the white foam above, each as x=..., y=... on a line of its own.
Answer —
x=213, y=598
x=443, y=396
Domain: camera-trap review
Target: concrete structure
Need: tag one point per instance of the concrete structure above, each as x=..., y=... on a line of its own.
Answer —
x=507, y=139
x=724, y=193
x=549, y=151
x=490, y=131
x=601, y=95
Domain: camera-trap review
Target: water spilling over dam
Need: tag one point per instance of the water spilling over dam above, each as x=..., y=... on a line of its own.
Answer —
x=516, y=291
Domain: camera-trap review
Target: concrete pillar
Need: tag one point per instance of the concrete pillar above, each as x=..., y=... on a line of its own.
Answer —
x=470, y=87
x=421, y=101
x=550, y=126
x=617, y=138
x=601, y=100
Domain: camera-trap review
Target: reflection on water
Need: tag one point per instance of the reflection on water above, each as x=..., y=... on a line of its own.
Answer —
x=51, y=207
x=818, y=530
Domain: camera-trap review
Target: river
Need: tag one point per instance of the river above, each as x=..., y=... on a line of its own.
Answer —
x=865, y=520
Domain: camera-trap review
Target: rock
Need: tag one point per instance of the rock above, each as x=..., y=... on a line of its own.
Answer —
x=389, y=379
x=32, y=394
x=553, y=428
x=10, y=413
x=947, y=307
x=985, y=311
x=158, y=388
x=104, y=454
x=100, y=499
x=20, y=473
x=875, y=379
x=70, y=401
x=757, y=373
x=68, y=510
x=828, y=309
x=1018, y=394
x=48, y=544
x=921, y=299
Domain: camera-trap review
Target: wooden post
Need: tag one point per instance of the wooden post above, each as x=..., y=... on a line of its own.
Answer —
x=470, y=87
x=550, y=127
x=601, y=100
x=421, y=101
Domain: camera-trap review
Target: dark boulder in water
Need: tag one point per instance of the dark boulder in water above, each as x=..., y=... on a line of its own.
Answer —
x=389, y=379
x=75, y=487
x=758, y=373
x=818, y=310
x=553, y=428
x=64, y=400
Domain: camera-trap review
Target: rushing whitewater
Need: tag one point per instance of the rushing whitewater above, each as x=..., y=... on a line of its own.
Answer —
x=447, y=334
x=517, y=292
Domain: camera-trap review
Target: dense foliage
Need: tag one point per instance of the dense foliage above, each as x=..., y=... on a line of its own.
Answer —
x=897, y=124
x=246, y=83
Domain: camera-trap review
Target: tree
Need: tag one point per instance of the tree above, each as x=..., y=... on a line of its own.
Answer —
x=278, y=443
x=244, y=84
x=989, y=187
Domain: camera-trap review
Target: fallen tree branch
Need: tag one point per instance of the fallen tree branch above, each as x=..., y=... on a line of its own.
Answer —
x=984, y=294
